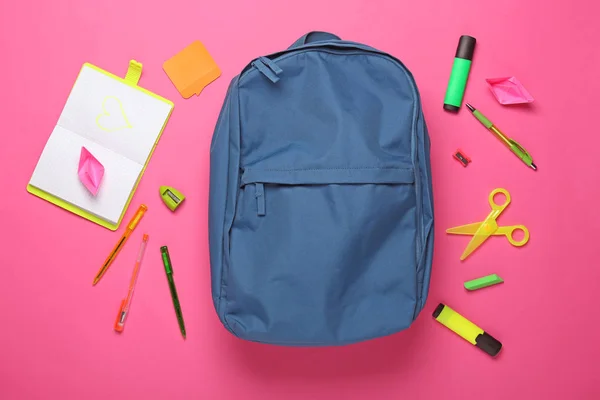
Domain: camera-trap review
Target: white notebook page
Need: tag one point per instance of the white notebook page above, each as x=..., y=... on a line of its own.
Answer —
x=118, y=124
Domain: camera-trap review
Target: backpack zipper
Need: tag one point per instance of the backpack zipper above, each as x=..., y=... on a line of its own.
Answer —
x=337, y=49
x=259, y=193
x=333, y=48
x=419, y=196
x=268, y=68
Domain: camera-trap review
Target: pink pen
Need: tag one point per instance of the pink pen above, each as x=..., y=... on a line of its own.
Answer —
x=126, y=303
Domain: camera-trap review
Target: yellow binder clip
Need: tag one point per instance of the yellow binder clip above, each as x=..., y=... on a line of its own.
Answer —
x=481, y=231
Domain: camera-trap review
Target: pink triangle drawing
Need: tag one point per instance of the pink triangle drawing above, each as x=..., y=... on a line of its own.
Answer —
x=90, y=171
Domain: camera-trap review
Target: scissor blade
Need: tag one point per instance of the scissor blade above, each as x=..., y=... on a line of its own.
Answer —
x=483, y=233
x=468, y=229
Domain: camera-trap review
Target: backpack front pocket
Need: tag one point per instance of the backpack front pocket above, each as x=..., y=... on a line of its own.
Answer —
x=323, y=253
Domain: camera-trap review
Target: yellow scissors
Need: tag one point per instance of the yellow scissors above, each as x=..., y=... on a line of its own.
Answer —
x=481, y=231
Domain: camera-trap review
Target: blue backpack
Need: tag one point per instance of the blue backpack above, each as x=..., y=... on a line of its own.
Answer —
x=321, y=207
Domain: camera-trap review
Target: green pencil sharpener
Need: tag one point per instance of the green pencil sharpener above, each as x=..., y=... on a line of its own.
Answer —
x=171, y=197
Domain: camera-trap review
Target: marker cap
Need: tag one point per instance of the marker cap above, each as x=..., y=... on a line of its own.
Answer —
x=466, y=47
x=488, y=344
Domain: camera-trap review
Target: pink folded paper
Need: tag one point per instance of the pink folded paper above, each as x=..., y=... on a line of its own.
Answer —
x=90, y=171
x=509, y=90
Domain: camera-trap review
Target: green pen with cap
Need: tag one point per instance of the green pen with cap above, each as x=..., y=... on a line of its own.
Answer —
x=512, y=145
x=169, y=270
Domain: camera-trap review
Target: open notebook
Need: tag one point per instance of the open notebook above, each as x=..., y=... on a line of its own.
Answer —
x=119, y=123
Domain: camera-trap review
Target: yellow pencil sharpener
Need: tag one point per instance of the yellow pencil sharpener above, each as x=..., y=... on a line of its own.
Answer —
x=171, y=197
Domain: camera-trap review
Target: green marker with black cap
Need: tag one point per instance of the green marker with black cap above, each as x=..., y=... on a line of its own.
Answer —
x=460, y=73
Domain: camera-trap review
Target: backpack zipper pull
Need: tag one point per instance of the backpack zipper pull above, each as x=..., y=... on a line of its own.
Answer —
x=271, y=64
x=260, y=199
x=268, y=68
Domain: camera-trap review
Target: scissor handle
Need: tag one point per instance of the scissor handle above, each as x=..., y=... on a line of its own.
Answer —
x=509, y=231
x=496, y=206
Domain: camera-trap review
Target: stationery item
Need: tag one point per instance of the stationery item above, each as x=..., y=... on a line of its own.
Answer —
x=482, y=282
x=462, y=158
x=90, y=171
x=119, y=123
x=171, y=197
x=113, y=254
x=481, y=231
x=512, y=145
x=169, y=270
x=460, y=73
x=509, y=90
x=192, y=69
x=126, y=302
x=466, y=329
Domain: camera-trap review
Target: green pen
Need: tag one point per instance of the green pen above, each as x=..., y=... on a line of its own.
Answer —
x=169, y=270
x=512, y=145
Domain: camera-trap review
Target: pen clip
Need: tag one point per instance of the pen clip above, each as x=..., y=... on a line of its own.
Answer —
x=120, y=322
x=137, y=217
x=518, y=146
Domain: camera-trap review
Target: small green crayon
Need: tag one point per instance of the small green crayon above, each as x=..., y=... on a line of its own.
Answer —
x=482, y=282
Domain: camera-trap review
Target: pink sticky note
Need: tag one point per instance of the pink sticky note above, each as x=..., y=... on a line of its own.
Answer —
x=509, y=90
x=90, y=171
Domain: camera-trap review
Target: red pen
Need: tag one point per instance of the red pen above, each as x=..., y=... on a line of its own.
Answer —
x=126, y=303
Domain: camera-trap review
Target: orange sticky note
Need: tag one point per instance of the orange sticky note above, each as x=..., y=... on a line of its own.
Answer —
x=192, y=69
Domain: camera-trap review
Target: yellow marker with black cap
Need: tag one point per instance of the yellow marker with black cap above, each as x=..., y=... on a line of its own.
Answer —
x=466, y=329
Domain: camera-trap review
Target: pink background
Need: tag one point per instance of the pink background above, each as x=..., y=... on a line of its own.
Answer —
x=57, y=339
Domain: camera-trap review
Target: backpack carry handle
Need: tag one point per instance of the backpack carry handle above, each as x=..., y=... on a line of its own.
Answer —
x=314, y=36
